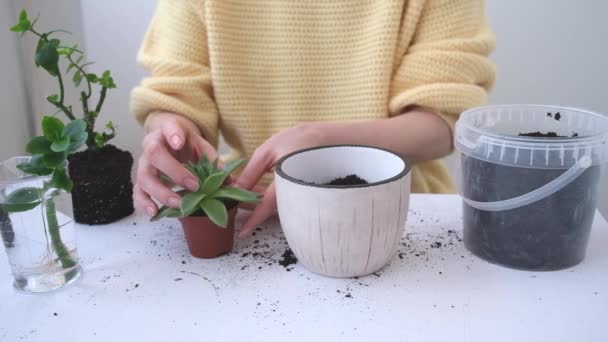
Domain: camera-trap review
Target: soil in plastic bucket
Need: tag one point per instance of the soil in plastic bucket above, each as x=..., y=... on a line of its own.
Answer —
x=549, y=234
x=103, y=192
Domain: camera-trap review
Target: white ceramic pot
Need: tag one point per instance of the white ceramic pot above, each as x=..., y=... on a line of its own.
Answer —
x=341, y=231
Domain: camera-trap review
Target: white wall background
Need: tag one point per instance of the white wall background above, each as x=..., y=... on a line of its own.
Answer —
x=14, y=128
x=549, y=51
x=552, y=52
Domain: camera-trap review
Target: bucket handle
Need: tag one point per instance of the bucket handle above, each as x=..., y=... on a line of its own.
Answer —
x=538, y=194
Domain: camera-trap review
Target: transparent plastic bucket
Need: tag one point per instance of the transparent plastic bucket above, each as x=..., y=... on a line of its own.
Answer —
x=529, y=201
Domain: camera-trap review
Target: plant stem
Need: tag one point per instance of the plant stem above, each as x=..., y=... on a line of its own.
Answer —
x=6, y=229
x=53, y=226
x=102, y=97
x=61, y=88
x=63, y=109
x=84, y=74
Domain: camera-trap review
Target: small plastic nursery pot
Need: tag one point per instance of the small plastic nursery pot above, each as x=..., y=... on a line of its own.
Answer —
x=530, y=183
x=343, y=230
x=207, y=240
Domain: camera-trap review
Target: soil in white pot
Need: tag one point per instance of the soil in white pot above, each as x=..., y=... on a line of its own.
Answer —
x=347, y=181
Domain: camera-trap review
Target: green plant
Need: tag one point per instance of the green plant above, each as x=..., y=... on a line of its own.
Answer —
x=49, y=54
x=212, y=193
x=50, y=150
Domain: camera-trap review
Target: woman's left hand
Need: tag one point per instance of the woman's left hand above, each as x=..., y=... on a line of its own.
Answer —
x=263, y=160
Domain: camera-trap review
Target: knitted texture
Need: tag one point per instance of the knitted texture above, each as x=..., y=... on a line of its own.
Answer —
x=248, y=69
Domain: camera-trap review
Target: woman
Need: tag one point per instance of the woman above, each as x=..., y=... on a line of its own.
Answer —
x=277, y=76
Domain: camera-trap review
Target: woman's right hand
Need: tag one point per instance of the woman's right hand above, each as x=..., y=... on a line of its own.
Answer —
x=170, y=139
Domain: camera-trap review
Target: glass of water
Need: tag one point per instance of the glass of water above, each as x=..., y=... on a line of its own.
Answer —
x=36, y=229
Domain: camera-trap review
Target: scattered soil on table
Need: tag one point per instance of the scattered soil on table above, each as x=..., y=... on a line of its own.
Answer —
x=348, y=180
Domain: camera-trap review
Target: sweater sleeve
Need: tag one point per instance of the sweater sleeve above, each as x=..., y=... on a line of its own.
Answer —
x=446, y=67
x=175, y=52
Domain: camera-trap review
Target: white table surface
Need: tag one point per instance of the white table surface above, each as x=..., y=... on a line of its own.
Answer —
x=140, y=284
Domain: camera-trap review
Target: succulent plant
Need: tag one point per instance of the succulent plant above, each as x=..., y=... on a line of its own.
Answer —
x=212, y=195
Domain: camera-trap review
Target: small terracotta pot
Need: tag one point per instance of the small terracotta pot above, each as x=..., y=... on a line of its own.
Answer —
x=207, y=240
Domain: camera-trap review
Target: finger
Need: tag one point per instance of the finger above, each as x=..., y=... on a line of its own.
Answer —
x=159, y=157
x=247, y=206
x=260, y=162
x=150, y=184
x=202, y=147
x=174, y=134
x=143, y=202
x=266, y=209
x=251, y=206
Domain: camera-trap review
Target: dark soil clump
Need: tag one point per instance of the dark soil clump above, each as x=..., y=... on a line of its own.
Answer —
x=102, y=185
x=288, y=258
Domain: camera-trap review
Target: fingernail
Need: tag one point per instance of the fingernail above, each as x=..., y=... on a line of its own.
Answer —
x=176, y=141
x=150, y=211
x=191, y=184
x=174, y=202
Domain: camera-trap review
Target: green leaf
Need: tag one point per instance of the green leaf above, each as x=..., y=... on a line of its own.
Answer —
x=52, y=128
x=214, y=168
x=213, y=182
x=190, y=202
x=68, y=51
x=61, y=145
x=38, y=145
x=23, y=199
x=100, y=140
x=77, y=78
x=233, y=165
x=61, y=180
x=166, y=212
x=92, y=78
x=76, y=143
x=106, y=80
x=75, y=128
x=23, y=15
x=192, y=168
x=35, y=167
x=54, y=43
x=53, y=159
x=237, y=194
x=24, y=23
x=53, y=98
x=47, y=56
x=216, y=211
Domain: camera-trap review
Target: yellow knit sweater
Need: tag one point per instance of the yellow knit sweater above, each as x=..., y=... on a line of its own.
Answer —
x=249, y=69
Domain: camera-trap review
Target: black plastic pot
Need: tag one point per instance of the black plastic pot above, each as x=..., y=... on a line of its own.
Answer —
x=549, y=234
x=103, y=191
